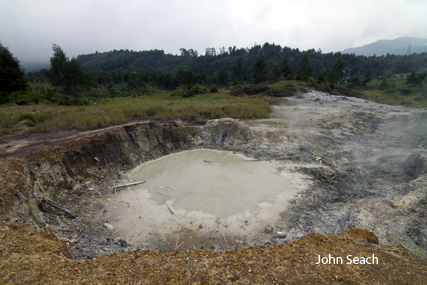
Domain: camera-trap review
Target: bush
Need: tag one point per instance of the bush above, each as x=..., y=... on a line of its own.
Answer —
x=311, y=81
x=196, y=89
x=299, y=95
x=190, y=93
x=179, y=93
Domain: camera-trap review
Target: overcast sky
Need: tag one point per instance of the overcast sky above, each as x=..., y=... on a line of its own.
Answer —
x=30, y=27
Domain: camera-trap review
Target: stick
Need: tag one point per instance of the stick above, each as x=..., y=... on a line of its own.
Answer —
x=180, y=245
x=224, y=237
x=58, y=207
x=118, y=171
x=126, y=185
x=169, y=208
x=107, y=164
x=176, y=245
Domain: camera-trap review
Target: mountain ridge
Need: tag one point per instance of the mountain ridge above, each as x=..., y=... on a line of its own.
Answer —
x=399, y=46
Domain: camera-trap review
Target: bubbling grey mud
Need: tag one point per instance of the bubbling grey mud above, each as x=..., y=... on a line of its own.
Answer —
x=206, y=192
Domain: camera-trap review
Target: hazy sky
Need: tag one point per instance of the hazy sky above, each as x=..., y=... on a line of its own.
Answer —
x=30, y=27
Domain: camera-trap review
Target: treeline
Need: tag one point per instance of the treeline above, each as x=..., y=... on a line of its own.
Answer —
x=208, y=67
x=121, y=73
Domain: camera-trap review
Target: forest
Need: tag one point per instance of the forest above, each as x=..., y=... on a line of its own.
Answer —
x=122, y=73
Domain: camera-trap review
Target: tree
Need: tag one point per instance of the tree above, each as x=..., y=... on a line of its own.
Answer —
x=57, y=66
x=64, y=72
x=415, y=79
x=210, y=51
x=286, y=67
x=384, y=84
x=305, y=70
x=337, y=72
x=12, y=77
x=282, y=68
x=193, y=53
x=240, y=74
x=184, y=52
x=367, y=78
x=223, y=77
x=260, y=70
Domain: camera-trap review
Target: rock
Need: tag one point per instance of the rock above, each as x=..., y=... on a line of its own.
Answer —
x=281, y=235
x=108, y=226
x=123, y=243
x=220, y=131
x=278, y=241
x=415, y=164
x=268, y=229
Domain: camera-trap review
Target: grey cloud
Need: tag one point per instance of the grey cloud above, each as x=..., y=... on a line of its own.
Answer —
x=30, y=27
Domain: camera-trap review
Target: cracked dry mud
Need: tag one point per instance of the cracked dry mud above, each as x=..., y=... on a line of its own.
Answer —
x=366, y=168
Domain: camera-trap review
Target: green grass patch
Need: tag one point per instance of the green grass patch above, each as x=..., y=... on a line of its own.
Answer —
x=299, y=95
x=395, y=91
x=100, y=113
x=241, y=102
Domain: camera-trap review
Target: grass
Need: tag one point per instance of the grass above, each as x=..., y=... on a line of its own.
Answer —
x=299, y=95
x=396, y=92
x=44, y=117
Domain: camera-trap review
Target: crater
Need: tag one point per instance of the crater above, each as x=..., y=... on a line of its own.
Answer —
x=210, y=194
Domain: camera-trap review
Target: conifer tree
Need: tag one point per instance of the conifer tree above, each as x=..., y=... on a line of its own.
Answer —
x=12, y=78
x=260, y=70
x=305, y=70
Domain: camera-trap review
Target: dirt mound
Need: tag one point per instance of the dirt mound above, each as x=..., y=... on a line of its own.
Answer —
x=38, y=258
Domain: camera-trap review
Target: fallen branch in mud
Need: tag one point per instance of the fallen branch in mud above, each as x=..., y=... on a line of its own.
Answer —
x=176, y=245
x=129, y=184
x=44, y=200
x=179, y=245
x=107, y=165
x=169, y=208
x=223, y=235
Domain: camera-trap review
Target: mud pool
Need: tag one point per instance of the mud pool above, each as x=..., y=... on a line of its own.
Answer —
x=365, y=165
x=205, y=193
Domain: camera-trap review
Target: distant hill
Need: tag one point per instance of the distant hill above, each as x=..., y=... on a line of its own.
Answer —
x=398, y=46
x=31, y=66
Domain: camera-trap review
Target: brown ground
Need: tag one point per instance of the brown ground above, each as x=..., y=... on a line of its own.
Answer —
x=38, y=258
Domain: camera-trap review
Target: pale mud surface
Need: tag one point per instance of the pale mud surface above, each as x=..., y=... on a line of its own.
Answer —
x=365, y=166
x=378, y=161
x=225, y=200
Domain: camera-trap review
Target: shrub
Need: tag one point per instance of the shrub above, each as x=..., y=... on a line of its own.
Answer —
x=196, y=89
x=214, y=89
x=176, y=93
x=299, y=95
x=189, y=93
